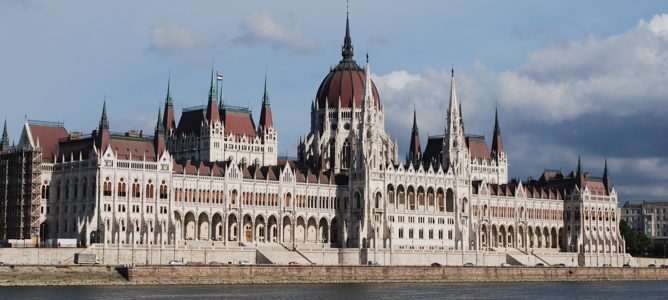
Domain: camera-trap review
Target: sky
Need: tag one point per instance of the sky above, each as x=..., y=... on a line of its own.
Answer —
x=569, y=79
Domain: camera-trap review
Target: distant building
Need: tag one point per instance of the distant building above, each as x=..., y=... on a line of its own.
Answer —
x=648, y=217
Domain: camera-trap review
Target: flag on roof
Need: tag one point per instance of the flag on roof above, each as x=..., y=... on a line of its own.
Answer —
x=219, y=76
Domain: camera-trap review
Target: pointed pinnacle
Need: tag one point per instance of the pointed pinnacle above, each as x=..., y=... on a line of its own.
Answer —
x=265, y=97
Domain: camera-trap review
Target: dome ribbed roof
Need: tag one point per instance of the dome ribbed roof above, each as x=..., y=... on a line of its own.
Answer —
x=345, y=81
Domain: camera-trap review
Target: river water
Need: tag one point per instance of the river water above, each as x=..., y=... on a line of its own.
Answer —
x=375, y=291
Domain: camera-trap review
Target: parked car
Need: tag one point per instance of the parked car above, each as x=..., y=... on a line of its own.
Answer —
x=469, y=264
x=540, y=265
x=651, y=266
x=372, y=263
x=626, y=265
x=662, y=266
x=436, y=264
x=176, y=263
x=244, y=263
x=606, y=265
x=559, y=265
x=215, y=263
x=293, y=263
x=505, y=265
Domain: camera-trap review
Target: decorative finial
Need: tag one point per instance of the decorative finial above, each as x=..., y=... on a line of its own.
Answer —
x=452, y=70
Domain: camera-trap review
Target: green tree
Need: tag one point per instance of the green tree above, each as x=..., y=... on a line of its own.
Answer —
x=638, y=243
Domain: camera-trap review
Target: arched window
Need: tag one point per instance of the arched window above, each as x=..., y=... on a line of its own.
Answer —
x=411, y=198
x=149, y=189
x=345, y=159
x=439, y=196
x=390, y=194
x=449, y=201
x=122, y=191
x=106, y=187
x=233, y=199
x=163, y=190
x=136, y=189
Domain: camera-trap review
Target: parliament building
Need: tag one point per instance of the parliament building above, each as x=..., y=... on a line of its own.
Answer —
x=213, y=178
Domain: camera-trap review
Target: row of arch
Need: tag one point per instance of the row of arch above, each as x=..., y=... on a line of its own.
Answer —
x=250, y=229
x=429, y=199
x=520, y=236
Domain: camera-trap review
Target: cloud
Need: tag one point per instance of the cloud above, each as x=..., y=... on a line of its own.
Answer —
x=599, y=98
x=260, y=28
x=171, y=38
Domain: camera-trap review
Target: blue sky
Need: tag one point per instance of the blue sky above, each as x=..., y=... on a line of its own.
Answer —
x=569, y=78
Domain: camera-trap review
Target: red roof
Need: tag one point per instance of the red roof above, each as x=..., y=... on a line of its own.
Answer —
x=345, y=81
x=137, y=148
x=47, y=137
x=239, y=122
x=478, y=148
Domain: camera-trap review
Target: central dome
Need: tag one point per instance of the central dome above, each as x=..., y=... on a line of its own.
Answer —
x=345, y=81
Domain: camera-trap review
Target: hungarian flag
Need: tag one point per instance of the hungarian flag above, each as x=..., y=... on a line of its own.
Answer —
x=219, y=76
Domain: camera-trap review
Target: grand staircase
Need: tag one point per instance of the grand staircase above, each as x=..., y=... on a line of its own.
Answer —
x=277, y=254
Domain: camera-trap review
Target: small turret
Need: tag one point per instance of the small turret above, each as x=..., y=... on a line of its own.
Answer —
x=607, y=180
x=169, y=122
x=414, y=155
x=4, y=143
x=212, y=113
x=159, y=138
x=497, y=143
x=266, y=121
x=103, y=139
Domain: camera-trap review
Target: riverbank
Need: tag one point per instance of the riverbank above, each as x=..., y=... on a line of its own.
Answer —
x=259, y=274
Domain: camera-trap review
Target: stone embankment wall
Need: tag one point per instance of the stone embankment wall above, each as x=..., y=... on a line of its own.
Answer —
x=126, y=255
x=150, y=275
x=334, y=274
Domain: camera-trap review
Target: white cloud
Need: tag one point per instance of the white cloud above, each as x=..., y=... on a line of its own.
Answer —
x=260, y=28
x=172, y=38
x=618, y=76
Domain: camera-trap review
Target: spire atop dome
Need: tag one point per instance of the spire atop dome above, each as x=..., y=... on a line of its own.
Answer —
x=579, y=166
x=347, y=49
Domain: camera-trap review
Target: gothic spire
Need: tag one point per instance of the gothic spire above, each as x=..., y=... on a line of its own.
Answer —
x=347, y=49
x=104, y=122
x=607, y=180
x=265, y=97
x=168, y=121
x=158, y=125
x=168, y=100
x=497, y=143
x=4, y=143
x=212, y=88
x=212, y=114
x=579, y=170
x=368, y=88
x=265, y=112
x=415, y=150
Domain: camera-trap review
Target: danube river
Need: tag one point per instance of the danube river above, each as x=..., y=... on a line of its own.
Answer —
x=404, y=291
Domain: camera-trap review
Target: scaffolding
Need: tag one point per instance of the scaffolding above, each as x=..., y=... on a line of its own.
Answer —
x=20, y=194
